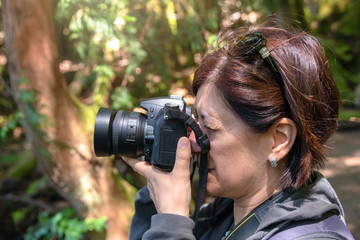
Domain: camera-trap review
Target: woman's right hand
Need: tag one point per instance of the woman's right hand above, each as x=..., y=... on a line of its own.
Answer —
x=170, y=191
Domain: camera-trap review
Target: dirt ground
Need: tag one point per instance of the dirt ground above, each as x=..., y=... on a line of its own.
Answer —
x=343, y=172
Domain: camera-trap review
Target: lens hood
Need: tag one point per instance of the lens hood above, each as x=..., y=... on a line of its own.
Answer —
x=102, y=132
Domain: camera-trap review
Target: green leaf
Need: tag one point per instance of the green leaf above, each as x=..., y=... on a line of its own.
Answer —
x=23, y=80
x=9, y=123
x=122, y=99
x=104, y=71
x=45, y=153
x=8, y=159
x=130, y=18
x=33, y=187
x=19, y=215
x=212, y=39
x=26, y=96
x=22, y=168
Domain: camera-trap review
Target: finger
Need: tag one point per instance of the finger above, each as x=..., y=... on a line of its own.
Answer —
x=194, y=146
x=130, y=161
x=183, y=154
x=138, y=166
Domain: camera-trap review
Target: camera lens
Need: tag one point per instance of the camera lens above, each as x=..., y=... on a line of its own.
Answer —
x=119, y=133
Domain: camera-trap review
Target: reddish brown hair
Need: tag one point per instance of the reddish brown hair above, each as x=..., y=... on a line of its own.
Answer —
x=306, y=92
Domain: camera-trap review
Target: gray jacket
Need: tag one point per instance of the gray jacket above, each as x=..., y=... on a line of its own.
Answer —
x=313, y=202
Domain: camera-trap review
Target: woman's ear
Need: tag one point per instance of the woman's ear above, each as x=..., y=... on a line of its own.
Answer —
x=283, y=133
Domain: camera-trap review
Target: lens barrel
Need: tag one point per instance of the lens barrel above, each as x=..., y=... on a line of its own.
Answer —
x=119, y=133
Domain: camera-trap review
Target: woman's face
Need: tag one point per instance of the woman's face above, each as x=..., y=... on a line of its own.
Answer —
x=238, y=165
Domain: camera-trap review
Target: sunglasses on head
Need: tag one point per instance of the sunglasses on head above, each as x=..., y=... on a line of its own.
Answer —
x=244, y=46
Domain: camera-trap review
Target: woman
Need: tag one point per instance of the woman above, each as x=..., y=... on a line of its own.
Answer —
x=267, y=101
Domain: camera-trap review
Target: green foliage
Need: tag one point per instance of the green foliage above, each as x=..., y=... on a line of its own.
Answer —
x=17, y=165
x=346, y=114
x=20, y=214
x=100, y=30
x=34, y=186
x=104, y=74
x=30, y=115
x=146, y=44
x=63, y=225
x=24, y=167
x=8, y=124
x=4, y=102
x=122, y=99
x=8, y=159
x=103, y=34
x=335, y=23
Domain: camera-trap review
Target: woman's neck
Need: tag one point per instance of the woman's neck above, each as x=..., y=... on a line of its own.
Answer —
x=244, y=206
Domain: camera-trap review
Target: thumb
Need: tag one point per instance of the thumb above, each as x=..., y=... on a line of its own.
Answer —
x=183, y=154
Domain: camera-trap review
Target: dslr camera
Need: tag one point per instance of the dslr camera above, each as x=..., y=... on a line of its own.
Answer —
x=134, y=134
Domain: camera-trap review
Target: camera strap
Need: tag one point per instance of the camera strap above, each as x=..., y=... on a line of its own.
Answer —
x=203, y=141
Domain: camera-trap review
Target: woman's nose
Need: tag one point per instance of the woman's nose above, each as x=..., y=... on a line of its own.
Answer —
x=194, y=146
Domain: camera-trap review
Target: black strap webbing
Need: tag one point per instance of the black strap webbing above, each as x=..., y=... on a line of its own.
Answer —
x=203, y=171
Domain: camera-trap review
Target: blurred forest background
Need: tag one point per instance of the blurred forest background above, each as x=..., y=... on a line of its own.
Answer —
x=61, y=60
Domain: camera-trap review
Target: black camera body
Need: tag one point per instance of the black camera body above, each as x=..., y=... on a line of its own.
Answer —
x=134, y=134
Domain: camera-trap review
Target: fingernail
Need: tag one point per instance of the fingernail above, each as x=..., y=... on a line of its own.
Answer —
x=183, y=143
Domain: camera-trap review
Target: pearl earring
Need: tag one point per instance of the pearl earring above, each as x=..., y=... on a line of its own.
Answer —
x=273, y=161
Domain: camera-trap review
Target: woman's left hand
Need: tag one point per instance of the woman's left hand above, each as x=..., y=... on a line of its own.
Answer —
x=170, y=191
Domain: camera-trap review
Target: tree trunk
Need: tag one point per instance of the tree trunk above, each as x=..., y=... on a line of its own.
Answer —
x=62, y=141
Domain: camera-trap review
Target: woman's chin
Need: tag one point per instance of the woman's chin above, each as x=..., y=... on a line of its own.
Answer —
x=212, y=187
